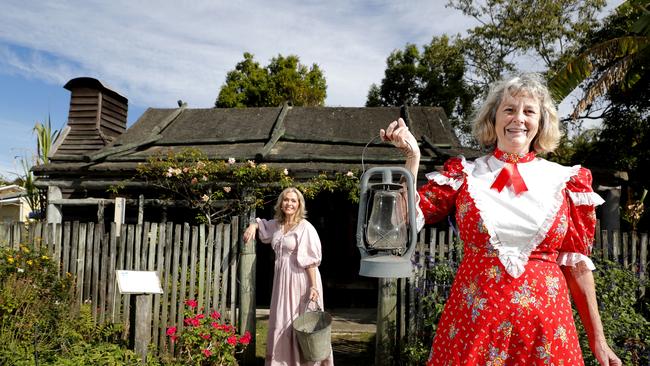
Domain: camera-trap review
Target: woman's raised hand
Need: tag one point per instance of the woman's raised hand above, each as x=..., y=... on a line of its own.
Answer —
x=398, y=133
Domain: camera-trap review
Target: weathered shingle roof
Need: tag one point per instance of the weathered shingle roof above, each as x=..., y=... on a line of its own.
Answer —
x=305, y=140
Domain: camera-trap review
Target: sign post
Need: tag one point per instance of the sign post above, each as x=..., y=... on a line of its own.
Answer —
x=142, y=284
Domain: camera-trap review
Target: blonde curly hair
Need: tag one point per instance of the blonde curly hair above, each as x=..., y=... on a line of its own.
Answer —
x=529, y=84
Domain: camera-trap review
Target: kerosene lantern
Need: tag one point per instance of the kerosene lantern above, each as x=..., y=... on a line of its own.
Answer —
x=386, y=231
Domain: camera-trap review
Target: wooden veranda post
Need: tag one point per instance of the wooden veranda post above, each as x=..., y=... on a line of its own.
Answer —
x=386, y=321
x=247, y=262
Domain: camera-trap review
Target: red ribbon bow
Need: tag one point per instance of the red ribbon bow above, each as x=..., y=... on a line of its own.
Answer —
x=509, y=174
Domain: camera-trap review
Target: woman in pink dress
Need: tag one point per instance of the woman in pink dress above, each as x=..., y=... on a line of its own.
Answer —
x=527, y=225
x=296, y=279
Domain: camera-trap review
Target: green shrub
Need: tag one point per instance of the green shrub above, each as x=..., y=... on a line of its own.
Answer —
x=40, y=322
x=627, y=329
x=32, y=300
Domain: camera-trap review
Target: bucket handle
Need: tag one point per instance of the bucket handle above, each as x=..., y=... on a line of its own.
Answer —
x=307, y=306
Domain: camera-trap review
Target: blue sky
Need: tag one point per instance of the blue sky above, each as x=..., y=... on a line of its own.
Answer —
x=156, y=52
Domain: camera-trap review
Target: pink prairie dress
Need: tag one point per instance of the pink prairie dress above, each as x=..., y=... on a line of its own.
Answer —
x=299, y=248
x=509, y=303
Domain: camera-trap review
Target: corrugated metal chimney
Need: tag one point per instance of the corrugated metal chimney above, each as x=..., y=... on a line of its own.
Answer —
x=97, y=116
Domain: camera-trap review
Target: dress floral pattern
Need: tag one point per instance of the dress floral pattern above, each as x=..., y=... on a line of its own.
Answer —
x=492, y=317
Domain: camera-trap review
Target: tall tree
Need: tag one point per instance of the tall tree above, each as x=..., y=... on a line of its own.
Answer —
x=285, y=79
x=434, y=77
x=512, y=30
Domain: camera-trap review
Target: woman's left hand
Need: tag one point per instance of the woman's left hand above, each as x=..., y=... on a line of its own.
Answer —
x=399, y=135
x=313, y=294
x=605, y=355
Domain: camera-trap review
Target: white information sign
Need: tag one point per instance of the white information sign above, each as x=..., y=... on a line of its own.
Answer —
x=138, y=282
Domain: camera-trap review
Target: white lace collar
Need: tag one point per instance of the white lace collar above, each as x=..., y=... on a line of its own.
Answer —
x=517, y=223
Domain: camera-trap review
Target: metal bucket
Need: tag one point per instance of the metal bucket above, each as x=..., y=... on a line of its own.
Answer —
x=313, y=330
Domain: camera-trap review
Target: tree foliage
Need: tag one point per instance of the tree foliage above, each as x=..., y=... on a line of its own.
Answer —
x=615, y=55
x=434, y=77
x=510, y=31
x=285, y=79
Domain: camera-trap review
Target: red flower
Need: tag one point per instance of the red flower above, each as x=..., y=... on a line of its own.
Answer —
x=205, y=336
x=215, y=325
x=173, y=338
x=191, y=303
x=200, y=316
x=207, y=352
x=195, y=322
x=232, y=340
x=215, y=315
x=171, y=331
x=245, y=339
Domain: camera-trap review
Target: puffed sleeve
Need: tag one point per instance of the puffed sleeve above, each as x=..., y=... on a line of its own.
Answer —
x=265, y=229
x=581, y=223
x=438, y=195
x=309, y=247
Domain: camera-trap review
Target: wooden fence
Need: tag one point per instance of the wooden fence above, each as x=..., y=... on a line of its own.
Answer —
x=197, y=262
x=435, y=247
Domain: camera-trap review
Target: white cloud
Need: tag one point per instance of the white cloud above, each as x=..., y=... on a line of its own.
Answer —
x=157, y=52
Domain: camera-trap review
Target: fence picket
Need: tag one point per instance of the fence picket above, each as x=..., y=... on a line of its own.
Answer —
x=81, y=259
x=157, y=243
x=193, y=259
x=208, y=274
x=225, y=267
x=93, y=292
x=165, y=278
x=201, y=292
x=103, y=276
x=234, y=249
x=177, y=255
x=216, y=281
x=66, y=246
x=110, y=274
x=183, y=288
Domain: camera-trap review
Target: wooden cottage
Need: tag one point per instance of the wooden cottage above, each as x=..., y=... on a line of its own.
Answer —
x=97, y=151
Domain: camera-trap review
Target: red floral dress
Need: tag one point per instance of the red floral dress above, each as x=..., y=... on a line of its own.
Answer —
x=509, y=303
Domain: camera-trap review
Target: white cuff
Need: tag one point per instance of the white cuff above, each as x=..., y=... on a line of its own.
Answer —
x=586, y=198
x=443, y=180
x=571, y=259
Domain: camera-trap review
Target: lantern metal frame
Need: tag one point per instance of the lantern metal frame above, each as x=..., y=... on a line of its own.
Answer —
x=384, y=263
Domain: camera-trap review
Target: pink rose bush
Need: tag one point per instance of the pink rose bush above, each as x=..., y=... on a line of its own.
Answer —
x=206, y=340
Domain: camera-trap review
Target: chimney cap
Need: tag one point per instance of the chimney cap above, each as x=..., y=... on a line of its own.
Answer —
x=88, y=82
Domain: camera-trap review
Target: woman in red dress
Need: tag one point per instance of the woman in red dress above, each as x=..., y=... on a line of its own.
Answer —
x=527, y=225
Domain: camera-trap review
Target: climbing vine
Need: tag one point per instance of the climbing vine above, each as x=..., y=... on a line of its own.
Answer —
x=220, y=188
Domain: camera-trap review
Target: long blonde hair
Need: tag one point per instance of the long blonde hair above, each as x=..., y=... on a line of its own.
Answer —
x=531, y=84
x=301, y=212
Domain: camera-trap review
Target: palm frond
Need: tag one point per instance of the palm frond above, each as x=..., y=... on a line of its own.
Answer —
x=615, y=74
x=581, y=67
